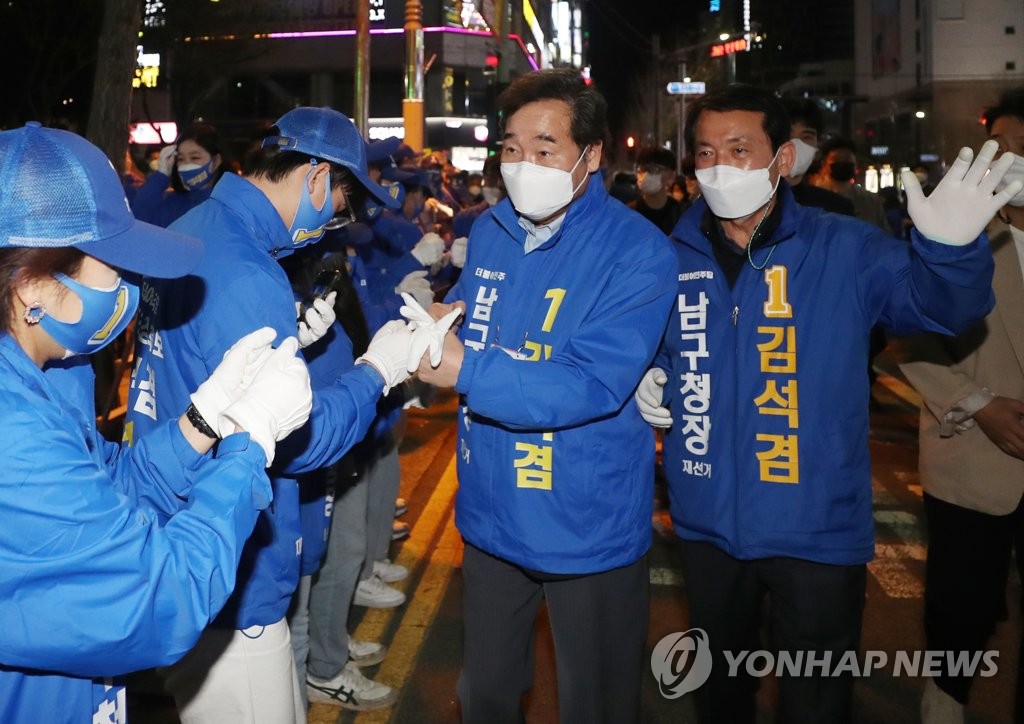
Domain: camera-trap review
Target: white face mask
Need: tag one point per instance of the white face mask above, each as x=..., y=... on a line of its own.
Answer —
x=734, y=192
x=651, y=183
x=491, y=195
x=805, y=153
x=537, y=192
x=1014, y=173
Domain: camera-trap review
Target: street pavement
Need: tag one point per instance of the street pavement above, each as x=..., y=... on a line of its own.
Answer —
x=424, y=635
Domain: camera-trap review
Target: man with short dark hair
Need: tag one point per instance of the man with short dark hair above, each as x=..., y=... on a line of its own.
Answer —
x=838, y=174
x=762, y=367
x=655, y=173
x=566, y=293
x=805, y=130
x=307, y=176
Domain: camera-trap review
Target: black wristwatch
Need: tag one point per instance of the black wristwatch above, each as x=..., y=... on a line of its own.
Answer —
x=199, y=423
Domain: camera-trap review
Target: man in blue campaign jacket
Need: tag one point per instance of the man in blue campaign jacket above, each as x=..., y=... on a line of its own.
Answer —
x=763, y=370
x=566, y=293
x=298, y=184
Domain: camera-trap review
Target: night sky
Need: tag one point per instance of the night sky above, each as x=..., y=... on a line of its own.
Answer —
x=620, y=42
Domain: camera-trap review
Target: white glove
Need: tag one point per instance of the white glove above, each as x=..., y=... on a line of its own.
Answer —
x=458, y=252
x=437, y=207
x=427, y=333
x=963, y=202
x=648, y=398
x=165, y=163
x=388, y=353
x=319, y=319
x=429, y=249
x=277, y=402
x=235, y=372
x=416, y=284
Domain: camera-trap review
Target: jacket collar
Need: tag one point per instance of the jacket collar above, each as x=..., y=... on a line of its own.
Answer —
x=591, y=202
x=255, y=210
x=24, y=367
x=690, y=229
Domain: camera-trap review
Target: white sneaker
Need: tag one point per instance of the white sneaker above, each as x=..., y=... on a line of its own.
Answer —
x=389, y=572
x=374, y=593
x=401, y=506
x=366, y=653
x=938, y=707
x=351, y=690
x=399, y=530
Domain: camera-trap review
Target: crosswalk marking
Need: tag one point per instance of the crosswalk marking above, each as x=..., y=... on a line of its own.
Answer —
x=900, y=388
x=889, y=566
x=416, y=616
x=665, y=577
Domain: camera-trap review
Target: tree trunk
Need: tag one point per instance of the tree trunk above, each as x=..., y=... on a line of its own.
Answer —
x=112, y=90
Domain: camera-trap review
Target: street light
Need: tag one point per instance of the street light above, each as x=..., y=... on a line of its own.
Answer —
x=919, y=114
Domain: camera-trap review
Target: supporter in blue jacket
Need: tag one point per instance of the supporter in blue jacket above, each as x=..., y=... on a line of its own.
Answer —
x=319, y=613
x=308, y=172
x=104, y=572
x=763, y=370
x=566, y=294
x=185, y=176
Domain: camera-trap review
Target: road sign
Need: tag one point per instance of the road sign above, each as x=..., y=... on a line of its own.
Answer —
x=678, y=88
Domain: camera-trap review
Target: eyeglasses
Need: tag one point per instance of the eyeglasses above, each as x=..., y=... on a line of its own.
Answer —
x=341, y=220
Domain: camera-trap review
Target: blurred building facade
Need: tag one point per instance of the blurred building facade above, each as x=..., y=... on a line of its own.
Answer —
x=927, y=69
x=240, y=65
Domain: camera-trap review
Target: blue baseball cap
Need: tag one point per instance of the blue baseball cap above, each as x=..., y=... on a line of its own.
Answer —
x=382, y=150
x=409, y=177
x=328, y=134
x=59, y=190
x=403, y=152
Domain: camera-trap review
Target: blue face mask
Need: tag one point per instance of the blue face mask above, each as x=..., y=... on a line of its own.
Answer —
x=105, y=314
x=196, y=177
x=310, y=221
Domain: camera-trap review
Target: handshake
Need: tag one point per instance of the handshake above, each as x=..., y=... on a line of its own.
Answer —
x=266, y=392
x=398, y=348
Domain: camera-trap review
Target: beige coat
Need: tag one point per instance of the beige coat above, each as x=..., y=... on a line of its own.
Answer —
x=964, y=467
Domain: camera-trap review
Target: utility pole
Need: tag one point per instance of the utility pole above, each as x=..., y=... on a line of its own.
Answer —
x=656, y=49
x=412, y=102
x=500, y=34
x=497, y=82
x=361, y=102
x=681, y=124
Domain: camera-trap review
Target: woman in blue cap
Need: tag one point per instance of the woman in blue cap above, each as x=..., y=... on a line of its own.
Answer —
x=114, y=559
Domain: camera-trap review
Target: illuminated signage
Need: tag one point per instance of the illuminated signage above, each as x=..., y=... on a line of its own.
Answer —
x=728, y=48
x=562, y=17
x=147, y=70
x=377, y=11
x=715, y=6
x=378, y=133
x=538, y=34
x=160, y=133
